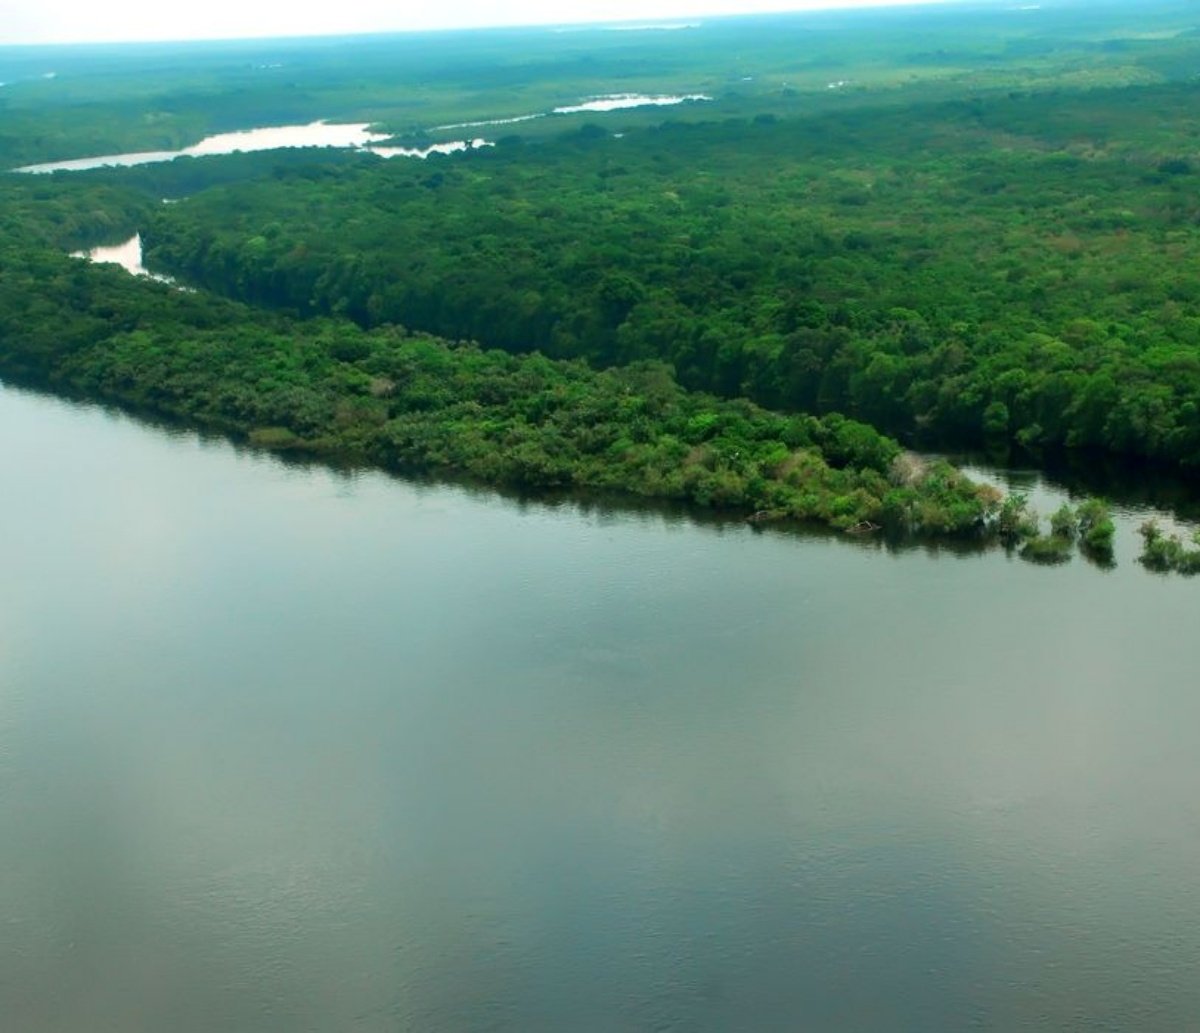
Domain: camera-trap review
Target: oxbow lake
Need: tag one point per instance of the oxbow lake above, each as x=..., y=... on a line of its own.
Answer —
x=314, y=134
x=287, y=749
x=355, y=136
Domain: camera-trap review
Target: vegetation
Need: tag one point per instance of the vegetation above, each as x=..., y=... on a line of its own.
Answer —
x=1047, y=548
x=1058, y=545
x=1015, y=269
x=1167, y=552
x=1096, y=529
x=1015, y=521
x=410, y=402
x=101, y=99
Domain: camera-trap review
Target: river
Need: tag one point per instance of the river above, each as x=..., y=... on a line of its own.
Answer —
x=284, y=749
x=357, y=136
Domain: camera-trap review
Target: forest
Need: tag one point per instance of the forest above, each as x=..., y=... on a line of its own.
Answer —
x=953, y=274
x=951, y=232
x=411, y=403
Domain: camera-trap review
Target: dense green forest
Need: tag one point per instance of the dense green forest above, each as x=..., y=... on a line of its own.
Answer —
x=1012, y=267
x=963, y=229
x=411, y=403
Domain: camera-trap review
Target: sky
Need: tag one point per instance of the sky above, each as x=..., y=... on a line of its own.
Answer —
x=75, y=21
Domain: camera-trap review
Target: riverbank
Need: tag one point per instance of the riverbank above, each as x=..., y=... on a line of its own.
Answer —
x=400, y=401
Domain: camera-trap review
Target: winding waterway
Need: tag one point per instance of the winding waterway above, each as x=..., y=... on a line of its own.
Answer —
x=357, y=136
x=284, y=749
x=314, y=134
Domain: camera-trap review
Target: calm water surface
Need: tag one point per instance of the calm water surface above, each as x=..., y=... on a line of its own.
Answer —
x=288, y=750
x=352, y=135
x=607, y=102
x=127, y=254
x=315, y=134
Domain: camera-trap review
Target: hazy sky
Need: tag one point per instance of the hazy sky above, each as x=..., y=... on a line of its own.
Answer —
x=62, y=21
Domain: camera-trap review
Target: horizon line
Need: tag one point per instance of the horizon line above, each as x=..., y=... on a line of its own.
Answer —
x=671, y=22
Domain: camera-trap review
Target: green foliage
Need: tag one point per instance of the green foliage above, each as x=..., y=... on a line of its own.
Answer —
x=1096, y=528
x=1053, y=548
x=411, y=402
x=1015, y=521
x=996, y=419
x=1163, y=553
x=1048, y=549
x=1028, y=278
x=1064, y=523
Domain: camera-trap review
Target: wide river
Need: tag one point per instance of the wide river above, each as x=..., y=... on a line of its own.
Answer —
x=285, y=750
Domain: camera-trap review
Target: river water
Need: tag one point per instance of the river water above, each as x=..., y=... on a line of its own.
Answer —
x=284, y=749
x=357, y=136
x=127, y=254
x=315, y=134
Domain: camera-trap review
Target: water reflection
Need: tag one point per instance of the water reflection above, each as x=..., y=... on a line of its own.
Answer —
x=314, y=134
x=606, y=102
x=284, y=748
x=623, y=101
x=1129, y=484
x=357, y=136
x=453, y=147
